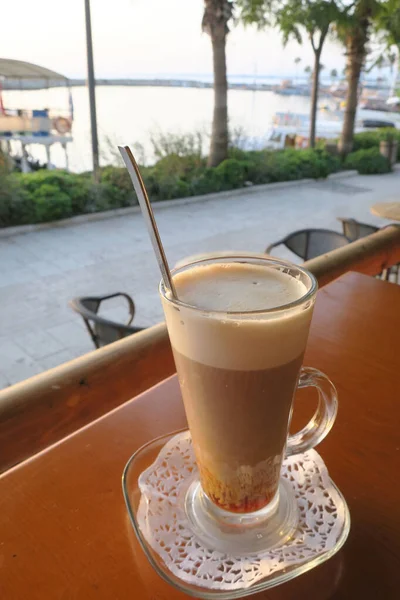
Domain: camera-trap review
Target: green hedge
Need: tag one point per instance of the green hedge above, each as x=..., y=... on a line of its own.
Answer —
x=372, y=139
x=50, y=195
x=368, y=162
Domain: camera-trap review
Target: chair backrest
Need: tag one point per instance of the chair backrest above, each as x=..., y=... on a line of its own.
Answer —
x=107, y=333
x=309, y=243
x=355, y=230
x=101, y=330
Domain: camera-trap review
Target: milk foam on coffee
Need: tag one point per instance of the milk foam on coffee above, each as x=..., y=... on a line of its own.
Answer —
x=246, y=341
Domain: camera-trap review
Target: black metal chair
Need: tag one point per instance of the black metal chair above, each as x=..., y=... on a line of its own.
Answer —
x=309, y=243
x=354, y=230
x=101, y=330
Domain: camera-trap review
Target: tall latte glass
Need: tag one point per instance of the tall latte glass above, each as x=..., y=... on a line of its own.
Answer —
x=238, y=332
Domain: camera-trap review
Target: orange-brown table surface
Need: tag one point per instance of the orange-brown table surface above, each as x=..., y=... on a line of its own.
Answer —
x=64, y=530
x=387, y=210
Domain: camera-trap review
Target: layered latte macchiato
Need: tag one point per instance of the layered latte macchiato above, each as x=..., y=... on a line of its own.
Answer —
x=238, y=363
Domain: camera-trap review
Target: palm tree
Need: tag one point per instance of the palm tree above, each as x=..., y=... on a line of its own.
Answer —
x=217, y=14
x=353, y=29
x=316, y=18
x=297, y=61
x=334, y=75
x=393, y=59
x=309, y=73
x=389, y=22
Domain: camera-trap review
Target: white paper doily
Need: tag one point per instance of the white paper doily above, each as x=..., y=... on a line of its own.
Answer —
x=164, y=525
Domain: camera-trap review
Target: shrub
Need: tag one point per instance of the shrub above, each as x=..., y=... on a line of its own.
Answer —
x=231, y=173
x=210, y=180
x=166, y=187
x=182, y=167
x=101, y=198
x=366, y=140
x=272, y=167
x=76, y=187
x=181, y=189
x=50, y=195
x=367, y=162
x=238, y=153
x=333, y=162
x=284, y=165
x=372, y=139
x=257, y=166
x=16, y=207
x=318, y=163
x=51, y=204
x=118, y=185
x=290, y=164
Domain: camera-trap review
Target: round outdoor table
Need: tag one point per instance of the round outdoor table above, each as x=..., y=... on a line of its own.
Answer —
x=387, y=210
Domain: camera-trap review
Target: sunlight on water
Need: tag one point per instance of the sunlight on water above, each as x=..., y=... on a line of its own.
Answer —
x=129, y=114
x=126, y=115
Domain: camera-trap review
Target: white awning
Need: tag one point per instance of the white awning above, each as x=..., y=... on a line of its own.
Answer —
x=18, y=69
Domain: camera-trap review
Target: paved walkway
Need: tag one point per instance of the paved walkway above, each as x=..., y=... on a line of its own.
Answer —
x=41, y=271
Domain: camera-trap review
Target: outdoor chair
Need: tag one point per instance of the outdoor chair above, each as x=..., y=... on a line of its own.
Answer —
x=354, y=230
x=101, y=330
x=310, y=243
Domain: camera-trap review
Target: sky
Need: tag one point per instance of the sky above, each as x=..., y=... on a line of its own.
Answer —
x=134, y=37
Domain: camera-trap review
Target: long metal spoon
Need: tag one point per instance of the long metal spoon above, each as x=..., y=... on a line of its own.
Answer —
x=148, y=215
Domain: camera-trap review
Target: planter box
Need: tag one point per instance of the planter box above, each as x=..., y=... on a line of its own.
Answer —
x=389, y=150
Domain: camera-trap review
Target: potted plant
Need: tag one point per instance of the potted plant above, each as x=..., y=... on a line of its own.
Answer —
x=388, y=147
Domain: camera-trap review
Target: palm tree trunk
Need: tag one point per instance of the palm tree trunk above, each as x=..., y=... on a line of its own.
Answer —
x=219, y=135
x=314, y=98
x=355, y=50
x=395, y=74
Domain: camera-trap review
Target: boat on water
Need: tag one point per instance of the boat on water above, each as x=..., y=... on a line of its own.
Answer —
x=380, y=101
x=292, y=130
x=21, y=128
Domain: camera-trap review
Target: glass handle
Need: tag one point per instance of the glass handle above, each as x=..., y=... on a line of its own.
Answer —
x=322, y=421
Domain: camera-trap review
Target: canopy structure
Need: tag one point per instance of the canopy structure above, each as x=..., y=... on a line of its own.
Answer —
x=19, y=69
x=23, y=127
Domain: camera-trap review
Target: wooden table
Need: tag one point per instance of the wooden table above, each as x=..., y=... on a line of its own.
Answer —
x=64, y=530
x=387, y=210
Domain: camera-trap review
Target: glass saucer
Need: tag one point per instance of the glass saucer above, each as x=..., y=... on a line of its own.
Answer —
x=185, y=499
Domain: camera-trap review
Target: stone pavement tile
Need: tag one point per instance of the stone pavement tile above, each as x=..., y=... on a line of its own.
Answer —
x=68, y=263
x=38, y=344
x=77, y=351
x=58, y=358
x=15, y=363
x=72, y=334
x=10, y=263
x=10, y=249
x=23, y=317
x=89, y=259
x=15, y=276
x=43, y=268
x=3, y=381
x=23, y=371
x=12, y=355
